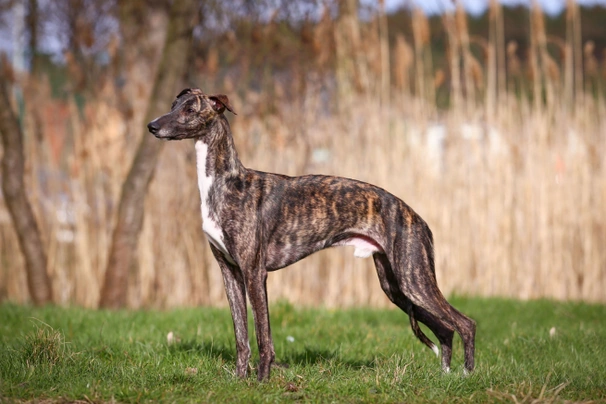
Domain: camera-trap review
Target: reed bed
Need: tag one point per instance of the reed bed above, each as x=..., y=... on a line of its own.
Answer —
x=512, y=183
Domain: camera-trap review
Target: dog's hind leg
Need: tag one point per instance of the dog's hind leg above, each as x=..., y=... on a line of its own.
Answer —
x=417, y=281
x=450, y=319
x=466, y=328
x=442, y=330
x=413, y=266
x=390, y=286
x=441, y=317
x=433, y=310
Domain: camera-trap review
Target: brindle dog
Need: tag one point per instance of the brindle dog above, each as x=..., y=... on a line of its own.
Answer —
x=258, y=222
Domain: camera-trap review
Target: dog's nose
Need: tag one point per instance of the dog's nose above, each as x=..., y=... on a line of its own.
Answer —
x=153, y=127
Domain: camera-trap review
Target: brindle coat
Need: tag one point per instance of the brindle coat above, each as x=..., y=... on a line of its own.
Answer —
x=258, y=222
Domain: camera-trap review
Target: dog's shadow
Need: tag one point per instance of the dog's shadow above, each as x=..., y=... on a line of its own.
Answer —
x=211, y=349
x=312, y=356
x=305, y=357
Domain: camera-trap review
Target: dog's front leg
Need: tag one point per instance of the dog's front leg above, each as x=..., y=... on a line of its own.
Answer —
x=256, y=285
x=236, y=295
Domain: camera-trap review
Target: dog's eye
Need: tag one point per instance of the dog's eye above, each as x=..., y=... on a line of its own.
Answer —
x=190, y=110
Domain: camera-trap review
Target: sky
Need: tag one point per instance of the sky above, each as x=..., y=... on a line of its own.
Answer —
x=476, y=7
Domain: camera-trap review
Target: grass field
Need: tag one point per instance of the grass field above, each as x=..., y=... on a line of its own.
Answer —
x=526, y=351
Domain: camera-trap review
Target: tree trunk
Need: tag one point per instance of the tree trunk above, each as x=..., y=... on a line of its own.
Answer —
x=33, y=22
x=13, y=164
x=130, y=211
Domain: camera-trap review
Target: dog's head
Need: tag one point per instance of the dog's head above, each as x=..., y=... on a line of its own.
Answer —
x=190, y=114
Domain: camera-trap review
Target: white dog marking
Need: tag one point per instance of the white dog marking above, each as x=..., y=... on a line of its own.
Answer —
x=209, y=226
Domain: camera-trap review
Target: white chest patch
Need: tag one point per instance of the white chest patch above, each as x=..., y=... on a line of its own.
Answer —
x=209, y=226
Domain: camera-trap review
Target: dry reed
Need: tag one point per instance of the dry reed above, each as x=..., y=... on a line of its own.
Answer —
x=513, y=191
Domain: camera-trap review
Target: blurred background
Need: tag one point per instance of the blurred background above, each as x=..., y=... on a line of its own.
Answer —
x=487, y=117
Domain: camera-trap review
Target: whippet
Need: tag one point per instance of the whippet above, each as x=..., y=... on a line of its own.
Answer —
x=258, y=222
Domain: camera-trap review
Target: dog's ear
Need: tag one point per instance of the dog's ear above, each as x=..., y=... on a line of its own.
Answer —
x=220, y=102
x=185, y=91
x=181, y=94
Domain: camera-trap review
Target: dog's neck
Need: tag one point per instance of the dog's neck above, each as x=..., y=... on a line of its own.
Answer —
x=217, y=160
x=216, y=154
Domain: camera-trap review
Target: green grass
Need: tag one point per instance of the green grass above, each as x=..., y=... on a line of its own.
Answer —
x=358, y=355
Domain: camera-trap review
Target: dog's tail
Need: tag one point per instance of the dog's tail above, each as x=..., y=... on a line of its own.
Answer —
x=419, y=333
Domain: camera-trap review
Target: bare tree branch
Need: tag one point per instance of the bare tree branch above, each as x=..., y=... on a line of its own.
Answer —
x=130, y=212
x=21, y=213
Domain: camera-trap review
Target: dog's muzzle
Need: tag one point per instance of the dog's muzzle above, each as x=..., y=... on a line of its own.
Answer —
x=153, y=127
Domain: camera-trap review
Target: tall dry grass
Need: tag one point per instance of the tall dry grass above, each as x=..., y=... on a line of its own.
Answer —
x=512, y=182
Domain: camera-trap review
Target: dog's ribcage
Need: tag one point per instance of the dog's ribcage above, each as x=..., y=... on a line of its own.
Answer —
x=313, y=212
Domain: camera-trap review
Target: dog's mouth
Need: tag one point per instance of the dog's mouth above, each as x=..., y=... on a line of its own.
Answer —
x=167, y=138
x=159, y=133
x=167, y=131
x=173, y=137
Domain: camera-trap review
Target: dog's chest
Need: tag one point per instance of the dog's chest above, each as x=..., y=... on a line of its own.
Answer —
x=209, y=225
